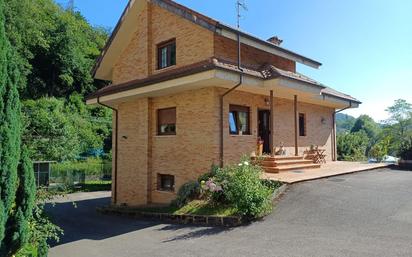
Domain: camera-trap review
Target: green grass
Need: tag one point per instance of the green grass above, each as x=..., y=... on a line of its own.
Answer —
x=196, y=207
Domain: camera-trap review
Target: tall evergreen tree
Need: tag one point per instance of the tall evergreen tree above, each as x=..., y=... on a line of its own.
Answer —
x=16, y=188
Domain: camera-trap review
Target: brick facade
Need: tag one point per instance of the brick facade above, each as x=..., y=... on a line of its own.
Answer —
x=142, y=154
x=139, y=59
x=195, y=147
x=227, y=49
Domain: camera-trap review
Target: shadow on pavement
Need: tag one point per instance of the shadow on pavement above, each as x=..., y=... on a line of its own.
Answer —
x=196, y=232
x=82, y=221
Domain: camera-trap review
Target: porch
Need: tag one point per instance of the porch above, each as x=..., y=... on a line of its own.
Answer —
x=329, y=169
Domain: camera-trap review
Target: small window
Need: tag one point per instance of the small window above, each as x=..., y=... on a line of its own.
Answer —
x=166, y=121
x=166, y=54
x=239, y=120
x=165, y=182
x=302, y=124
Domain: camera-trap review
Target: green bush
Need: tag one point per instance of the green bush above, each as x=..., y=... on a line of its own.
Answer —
x=242, y=188
x=379, y=150
x=271, y=184
x=352, y=146
x=212, y=173
x=406, y=150
x=186, y=193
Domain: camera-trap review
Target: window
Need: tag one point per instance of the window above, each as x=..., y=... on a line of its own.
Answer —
x=166, y=121
x=239, y=120
x=166, y=54
x=165, y=182
x=302, y=124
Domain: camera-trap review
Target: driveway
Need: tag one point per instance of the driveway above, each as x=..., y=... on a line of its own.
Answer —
x=363, y=214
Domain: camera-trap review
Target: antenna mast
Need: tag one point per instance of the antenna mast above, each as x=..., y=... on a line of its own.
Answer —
x=240, y=4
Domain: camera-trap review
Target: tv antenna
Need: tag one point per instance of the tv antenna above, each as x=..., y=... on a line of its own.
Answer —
x=240, y=5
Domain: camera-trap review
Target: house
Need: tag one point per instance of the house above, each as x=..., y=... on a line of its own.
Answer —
x=184, y=100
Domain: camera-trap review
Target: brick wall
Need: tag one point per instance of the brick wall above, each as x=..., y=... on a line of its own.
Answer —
x=317, y=133
x=139, y=59
x=133, y=152
x=195, y=147
x=193, y=43
x=227, y=49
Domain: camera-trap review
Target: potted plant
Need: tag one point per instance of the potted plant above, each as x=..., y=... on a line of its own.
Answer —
x=406, y=154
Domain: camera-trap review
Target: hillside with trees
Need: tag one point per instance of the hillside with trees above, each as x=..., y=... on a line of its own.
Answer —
x=363, y=138
x=46, y=56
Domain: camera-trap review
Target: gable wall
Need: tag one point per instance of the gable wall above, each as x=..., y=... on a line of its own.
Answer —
x=139, y=59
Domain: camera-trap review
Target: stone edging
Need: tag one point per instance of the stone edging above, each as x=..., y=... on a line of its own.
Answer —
x=202, y=220
x=279, y=192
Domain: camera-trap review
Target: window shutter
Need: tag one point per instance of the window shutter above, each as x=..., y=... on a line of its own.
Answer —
x=167, y=116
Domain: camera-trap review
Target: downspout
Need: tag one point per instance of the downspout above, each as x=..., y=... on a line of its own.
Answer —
x=115, y=150
x=225, y=94
x=334, y=129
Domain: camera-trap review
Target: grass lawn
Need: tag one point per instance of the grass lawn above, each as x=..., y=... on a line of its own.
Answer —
x=196, y=207
x=93, y=186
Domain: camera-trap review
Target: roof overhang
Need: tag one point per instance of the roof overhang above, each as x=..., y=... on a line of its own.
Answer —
x=250, y=40
x=282, y=87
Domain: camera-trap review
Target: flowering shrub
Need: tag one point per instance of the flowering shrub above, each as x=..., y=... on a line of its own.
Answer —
x=237, y=186
x=242, y=187
x=210, y=186
x=189, y=191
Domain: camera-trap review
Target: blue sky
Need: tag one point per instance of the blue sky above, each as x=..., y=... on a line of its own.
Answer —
x=365, y=45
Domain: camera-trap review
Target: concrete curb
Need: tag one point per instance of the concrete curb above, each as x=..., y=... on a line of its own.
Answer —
x=279, y=192
x=203, y=220
x=341, y=174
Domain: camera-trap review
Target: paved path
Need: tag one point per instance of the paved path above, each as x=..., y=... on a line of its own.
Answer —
x=363, y=214
x=326, y=170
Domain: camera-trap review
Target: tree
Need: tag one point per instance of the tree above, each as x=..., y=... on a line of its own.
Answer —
x=344, y=122
x=56, y=48
x=18, y=227
x=60, y=130
x=352, y=146
x=398, y=127
x=16, y=184
x=400, y=117
x=367, y=124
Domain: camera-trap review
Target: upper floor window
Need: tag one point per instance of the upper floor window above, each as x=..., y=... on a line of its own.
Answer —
x=302, y=124
x=239, y=120
x=166, y=121
x=166, y=54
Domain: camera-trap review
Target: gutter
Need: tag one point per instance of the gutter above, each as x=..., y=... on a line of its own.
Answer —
x=334, y=129
x=221, y=145
x=116, y=147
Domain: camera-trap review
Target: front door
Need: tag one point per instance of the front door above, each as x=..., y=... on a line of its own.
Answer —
x=264, y=129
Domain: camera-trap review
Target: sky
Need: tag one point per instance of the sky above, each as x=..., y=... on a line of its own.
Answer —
x=365, y=46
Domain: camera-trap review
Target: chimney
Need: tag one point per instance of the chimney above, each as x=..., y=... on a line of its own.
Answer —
x=275, y=40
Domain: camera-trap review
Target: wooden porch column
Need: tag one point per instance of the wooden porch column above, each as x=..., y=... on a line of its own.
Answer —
x=271, y=123
x=296, y=125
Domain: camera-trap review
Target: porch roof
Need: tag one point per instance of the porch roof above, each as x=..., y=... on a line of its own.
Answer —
x=264, y=73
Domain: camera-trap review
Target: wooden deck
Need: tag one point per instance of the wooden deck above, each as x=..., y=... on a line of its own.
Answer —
x=326, y=170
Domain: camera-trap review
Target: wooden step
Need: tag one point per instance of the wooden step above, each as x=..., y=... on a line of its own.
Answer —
x=291, y=167
x=282, y=158
x=284, y=163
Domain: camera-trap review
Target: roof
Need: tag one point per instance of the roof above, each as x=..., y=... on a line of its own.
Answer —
x=266, y=72
x=208, y=23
